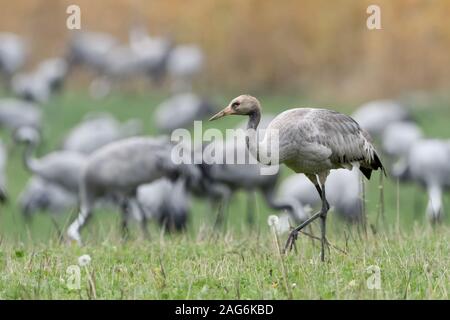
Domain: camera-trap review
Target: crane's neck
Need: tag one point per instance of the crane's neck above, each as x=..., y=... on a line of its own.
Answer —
x=253, y=120
x=251, y=137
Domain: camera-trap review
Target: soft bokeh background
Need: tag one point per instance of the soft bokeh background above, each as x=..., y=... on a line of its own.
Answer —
x=321, y=48
x=288, y=54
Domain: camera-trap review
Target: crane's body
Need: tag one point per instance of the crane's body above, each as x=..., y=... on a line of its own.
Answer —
x=323, y=140
x=310, y=141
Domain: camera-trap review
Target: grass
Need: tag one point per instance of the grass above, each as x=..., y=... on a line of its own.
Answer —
x=240, y=262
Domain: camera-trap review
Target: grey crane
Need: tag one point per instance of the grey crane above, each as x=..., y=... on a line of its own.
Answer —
x=90, y=48
x=428, y=163
x=118, y=169
x=375, y=116
x=153, y=52
x=13, y=54
x=59, y=167
x=187, y=106
x=165, y=201
x=184, y=63
x=31, y=87
x=54, y=72
x=97, y=130
x=397, y=140
x=16, y=113
x=41, y=195
x=343, y=191
x=38, y=85
x=311, y=141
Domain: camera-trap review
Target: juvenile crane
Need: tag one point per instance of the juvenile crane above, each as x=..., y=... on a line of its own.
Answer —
x=310, y=141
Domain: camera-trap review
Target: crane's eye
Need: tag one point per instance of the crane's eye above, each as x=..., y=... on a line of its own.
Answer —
x=235, y=104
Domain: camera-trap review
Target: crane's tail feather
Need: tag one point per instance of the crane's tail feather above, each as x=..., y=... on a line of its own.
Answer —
x=374, y=165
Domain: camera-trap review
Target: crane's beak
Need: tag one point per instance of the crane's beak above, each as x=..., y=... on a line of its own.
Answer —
x=225, y=112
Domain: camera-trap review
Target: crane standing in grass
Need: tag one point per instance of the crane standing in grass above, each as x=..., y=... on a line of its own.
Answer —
x=311, y=141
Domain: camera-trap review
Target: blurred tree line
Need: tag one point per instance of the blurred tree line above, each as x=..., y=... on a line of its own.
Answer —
x=319, y=47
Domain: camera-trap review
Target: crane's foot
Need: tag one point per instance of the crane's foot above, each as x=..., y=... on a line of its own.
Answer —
x=290, y=243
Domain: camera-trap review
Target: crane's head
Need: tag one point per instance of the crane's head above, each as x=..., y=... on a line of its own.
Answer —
x=242, y=105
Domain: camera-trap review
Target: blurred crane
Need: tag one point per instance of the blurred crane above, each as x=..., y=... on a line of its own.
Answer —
x=16, y=113
x=13, y=53
x=118, y=169
x=187, y=107
x=184, y=63
x=63, y=168
x=41, y=195
x=165, y=201
x=90, y=49
x=397, y=140
x=38, y=85
x=152, y=51
x=97, y=130
x=376, y=115
x=429, y=164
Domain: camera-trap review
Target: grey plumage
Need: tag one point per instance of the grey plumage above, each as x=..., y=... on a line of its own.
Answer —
x=397, y=140
x=90, y=49
x=165, y=201
x=59, y=167
x=13, y=54
x=184, y=63
x=318, y=140
x=429, y=164
x=16, y=113
x=30, y=87
x=187, y=107
x=38, y=85
x=98, y=130
x=152, y=51
x=41, y=195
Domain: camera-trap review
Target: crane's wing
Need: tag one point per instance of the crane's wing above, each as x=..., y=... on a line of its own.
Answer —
x=348, y=143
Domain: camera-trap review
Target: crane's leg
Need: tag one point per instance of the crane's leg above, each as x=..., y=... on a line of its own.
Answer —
x=322, y=214
x=73, y=232
x=87, y=203
x=125, y=207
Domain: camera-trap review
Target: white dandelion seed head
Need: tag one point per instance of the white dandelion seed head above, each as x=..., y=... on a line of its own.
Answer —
x=283, y=224
x=272, y=220
x=84, y=260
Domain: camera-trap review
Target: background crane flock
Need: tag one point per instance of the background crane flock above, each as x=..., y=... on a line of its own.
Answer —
x=71, y=176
